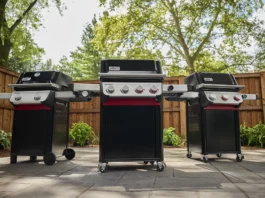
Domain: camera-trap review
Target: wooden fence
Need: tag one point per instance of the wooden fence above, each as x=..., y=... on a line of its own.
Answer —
x=174, y=115
x=6, y=109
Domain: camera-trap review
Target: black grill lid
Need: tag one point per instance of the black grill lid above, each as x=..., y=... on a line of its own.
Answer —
x=44, y=77
x=208, y=78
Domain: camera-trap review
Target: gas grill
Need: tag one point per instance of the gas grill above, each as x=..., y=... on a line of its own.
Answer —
x=213, y=118
x=131, y=111
x=41, y=114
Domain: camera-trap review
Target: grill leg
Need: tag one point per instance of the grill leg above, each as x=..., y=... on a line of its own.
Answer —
x=33, y=158
x=13, y=159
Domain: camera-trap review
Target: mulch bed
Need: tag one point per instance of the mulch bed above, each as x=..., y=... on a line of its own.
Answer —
x=4, y=153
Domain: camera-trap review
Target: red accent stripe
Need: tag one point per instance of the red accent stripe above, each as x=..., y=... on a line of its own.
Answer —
x=32, y=107
x=221, y=107
x=131, y=102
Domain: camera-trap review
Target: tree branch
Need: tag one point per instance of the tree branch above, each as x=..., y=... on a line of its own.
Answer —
x=177, y=25
x=206, y=38
x=18, y=21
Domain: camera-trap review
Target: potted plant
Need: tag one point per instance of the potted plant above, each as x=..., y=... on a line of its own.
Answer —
x=80, y=133
x=5, y=140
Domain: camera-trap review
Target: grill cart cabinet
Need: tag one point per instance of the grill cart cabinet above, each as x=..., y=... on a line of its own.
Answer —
x=40, y=126
x=213, y=118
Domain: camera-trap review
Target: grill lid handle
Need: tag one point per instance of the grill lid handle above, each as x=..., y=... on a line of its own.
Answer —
x=214, y=86
x=131, y=75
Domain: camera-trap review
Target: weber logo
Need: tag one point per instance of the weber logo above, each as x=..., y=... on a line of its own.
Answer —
x=26, y=79
x=114, y=68
x=208, y=79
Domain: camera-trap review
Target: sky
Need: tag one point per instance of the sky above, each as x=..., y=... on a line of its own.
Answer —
x=62, y=34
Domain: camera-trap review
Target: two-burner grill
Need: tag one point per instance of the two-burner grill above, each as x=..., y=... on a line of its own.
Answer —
x=213, y=125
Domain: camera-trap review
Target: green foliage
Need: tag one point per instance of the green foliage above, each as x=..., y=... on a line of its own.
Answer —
x=195, y=35
x=5, y=139
x=18, y=19
x=170, y=138
x=253, y=136
x=81, y=132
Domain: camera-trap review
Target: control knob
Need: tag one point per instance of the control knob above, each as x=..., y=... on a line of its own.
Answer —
x=125, y=89
x=139, y=89
x=110, y=89
x=153, y=89
x=225, y=97
x=17, y=98
x=212, y=97
x=37, y=97
x=237, y=97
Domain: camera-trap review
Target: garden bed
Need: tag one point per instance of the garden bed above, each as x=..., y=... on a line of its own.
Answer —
x=4, y=153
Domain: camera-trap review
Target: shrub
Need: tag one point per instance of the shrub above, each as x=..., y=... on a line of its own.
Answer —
x=5, y=139
x=170, y=138
x=253, y=136
x=81, y=132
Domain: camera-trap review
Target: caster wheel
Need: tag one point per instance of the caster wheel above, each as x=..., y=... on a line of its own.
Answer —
x=69, y=154
x=239, y=158
x=152, y=162
x=160, y=166
x=33, y=158
x=145, y=162
x=219, y=155
x=102, y=167
x=13, y=159
x=205, y=159
x=49, y=159
x=189, y=155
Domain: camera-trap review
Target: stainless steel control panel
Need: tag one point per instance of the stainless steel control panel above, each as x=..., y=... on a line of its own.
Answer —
x=228, y=97
x=128, y=89
x=29, y=97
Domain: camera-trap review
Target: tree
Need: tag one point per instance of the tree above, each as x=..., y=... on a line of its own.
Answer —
x=17, y=19
x=183, y=31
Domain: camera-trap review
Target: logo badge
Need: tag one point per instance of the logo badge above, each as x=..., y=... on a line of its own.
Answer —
x=37, y=74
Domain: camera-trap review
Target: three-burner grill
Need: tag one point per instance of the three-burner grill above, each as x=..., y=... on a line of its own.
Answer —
x=40, y=126
x=213, y=118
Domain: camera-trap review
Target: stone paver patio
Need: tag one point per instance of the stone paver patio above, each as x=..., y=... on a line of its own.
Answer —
x=182, y=177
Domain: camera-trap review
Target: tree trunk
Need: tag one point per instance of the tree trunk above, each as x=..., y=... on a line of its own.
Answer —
x=190, y=63
x=4, y=53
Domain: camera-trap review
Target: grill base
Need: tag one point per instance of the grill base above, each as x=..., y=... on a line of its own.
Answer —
x=41, y=131
x=212, y=131
x=131, y=133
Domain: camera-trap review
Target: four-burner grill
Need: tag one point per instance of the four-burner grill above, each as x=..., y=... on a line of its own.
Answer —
x=213, y=118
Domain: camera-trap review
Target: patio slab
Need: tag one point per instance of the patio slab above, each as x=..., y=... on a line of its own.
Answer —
x=221, y=177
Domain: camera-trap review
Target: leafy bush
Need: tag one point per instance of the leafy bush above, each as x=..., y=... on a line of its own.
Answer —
x=81, y=132
x=5, y=139
x=170, y=138
x=253, y=136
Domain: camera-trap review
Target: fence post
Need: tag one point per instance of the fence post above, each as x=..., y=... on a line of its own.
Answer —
x=262, y=83
x=183, y=126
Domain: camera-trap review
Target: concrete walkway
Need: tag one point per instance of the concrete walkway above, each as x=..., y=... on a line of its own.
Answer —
x=182, y=177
